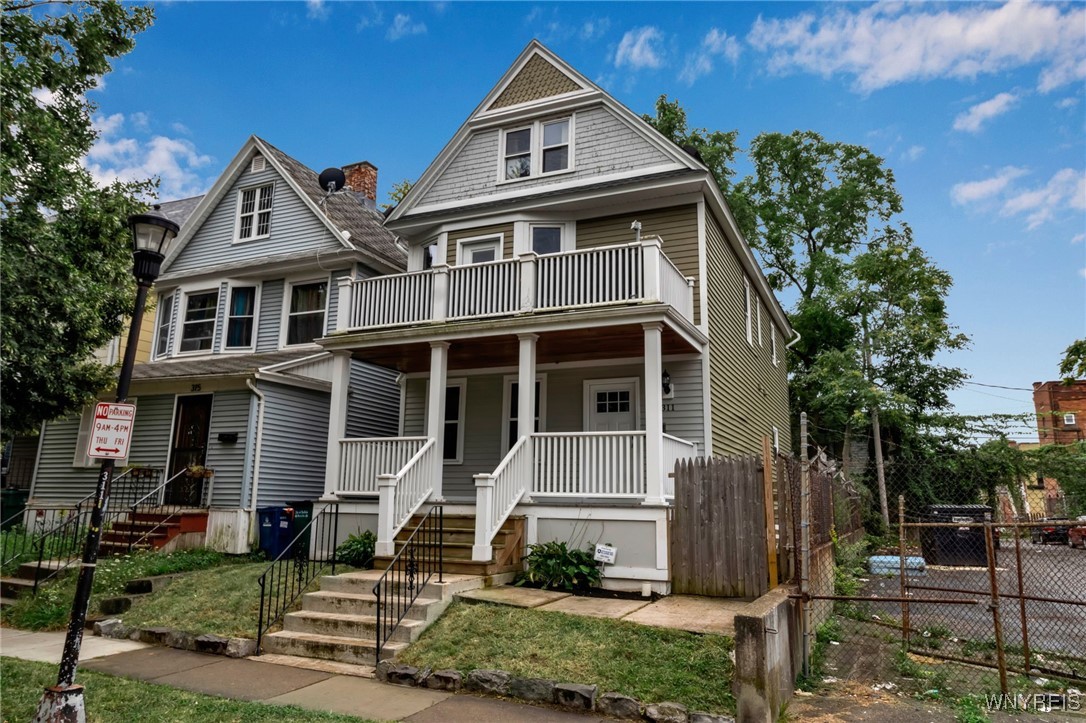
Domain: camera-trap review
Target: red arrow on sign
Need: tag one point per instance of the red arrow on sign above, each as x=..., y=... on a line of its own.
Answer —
x=103, y=449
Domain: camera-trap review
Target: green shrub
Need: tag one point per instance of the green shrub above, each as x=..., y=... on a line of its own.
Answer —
x=555, y=566
x=357, y=550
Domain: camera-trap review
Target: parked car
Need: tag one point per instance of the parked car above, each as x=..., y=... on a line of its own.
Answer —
x=1053, y=529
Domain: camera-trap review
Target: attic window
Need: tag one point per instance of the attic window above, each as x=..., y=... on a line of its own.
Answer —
x=254, y=212
x=258, y=164
x=542, y=148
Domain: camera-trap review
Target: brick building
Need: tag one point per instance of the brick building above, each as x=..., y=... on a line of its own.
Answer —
x=1061, y=411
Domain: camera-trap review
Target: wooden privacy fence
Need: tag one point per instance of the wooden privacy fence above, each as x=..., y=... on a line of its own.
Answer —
x=719, y=528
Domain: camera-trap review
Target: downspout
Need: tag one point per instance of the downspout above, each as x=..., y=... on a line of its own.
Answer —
x=256, y=457
x=798, y=337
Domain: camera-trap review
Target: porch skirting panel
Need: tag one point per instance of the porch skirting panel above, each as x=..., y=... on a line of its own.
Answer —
x=228, y=531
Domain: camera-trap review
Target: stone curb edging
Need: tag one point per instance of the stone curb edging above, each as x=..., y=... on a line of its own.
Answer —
x=534, y=690
x=170, y=638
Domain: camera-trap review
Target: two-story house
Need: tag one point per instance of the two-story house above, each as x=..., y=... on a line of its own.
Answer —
x=580, y=310
x=233, y=399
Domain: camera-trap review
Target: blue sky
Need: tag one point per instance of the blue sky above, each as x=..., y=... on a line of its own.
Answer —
x=980, y=109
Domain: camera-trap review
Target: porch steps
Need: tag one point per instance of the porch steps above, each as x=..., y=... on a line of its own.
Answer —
x=22, y=583
x=148, y=529
x=339, y=621
x=457, y=540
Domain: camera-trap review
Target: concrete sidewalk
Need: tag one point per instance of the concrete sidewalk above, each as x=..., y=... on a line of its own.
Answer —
x=253, y=680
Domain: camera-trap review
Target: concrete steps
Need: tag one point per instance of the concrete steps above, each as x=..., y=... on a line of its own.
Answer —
x=339, y=622
x=457, y=539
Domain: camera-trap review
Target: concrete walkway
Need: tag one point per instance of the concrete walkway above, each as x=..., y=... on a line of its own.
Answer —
x=254, y=680
x=681, y=612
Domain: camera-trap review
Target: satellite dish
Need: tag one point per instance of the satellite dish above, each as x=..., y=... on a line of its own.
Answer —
x=332, y=180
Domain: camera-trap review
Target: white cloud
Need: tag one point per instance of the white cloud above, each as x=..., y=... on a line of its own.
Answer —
x=636, y=49
x=889, y=43
x=913, y=153
x=181, y=128
x=317, y=9
x=371, y=17
x=44, y=96
x=973, y=191
x=716, y=43
x=1065, y=190
x=402, y=27
x=1066, y=103
x=594, y=28
x=971, y=120
x=140, y=120
x=1078, y=238
x=173, y=161
x=1082, y=272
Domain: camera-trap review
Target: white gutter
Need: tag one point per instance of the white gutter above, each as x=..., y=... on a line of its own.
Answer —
x=253, y=531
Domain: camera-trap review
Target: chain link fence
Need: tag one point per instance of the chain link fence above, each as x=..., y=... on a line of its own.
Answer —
x=973, y=590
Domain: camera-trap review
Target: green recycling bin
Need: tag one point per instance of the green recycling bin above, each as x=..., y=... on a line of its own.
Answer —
x=303, y=515
x=12, y=505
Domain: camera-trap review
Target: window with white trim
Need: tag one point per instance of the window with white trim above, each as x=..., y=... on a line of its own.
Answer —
x=1069, y=420
x=198, y=324
x=479, y=250
x=254, y=212
x=83, y=439
x=163, y=325
x=747, y=315
x=241, y=318
x=546, y=239
x=511, y=403
x=453, y=429
x=758, y=320
x=306, y=312
x=542, y=148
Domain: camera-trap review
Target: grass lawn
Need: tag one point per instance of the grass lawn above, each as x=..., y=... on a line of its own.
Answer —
x=109, y=699
x=650, y=664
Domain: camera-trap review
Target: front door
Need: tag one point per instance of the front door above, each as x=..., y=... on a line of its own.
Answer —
x=611, y=405
x=188, y=448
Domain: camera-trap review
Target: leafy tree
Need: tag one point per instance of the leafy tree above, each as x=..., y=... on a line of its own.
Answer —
x=397, y=194
x=65, y=269
x=717, y=149
x=1073, y=364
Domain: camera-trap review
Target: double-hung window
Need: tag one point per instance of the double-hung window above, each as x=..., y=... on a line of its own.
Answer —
x=480, y=250
x=773, y=342
x=453, y=430
x=1069, y=420
x=254, y=212
x=165, y=323
x=305, y=316
x=512, y=410
x=538, y=149
x=747, y=312
x=198, y=326
x=240, y=317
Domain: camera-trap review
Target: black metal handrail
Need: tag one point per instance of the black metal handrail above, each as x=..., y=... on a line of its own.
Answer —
x=64, y=543
x=27, y=543
x=134, y=508
x=412, y=567
x=290, y=574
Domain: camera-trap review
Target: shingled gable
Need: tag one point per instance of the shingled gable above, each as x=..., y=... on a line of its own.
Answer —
x=537, y=82
x=350, y=222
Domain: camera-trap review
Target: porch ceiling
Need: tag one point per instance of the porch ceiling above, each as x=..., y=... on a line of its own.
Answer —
x=567, y=345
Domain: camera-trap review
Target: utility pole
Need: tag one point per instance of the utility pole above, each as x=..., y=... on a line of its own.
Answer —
x=880, y=468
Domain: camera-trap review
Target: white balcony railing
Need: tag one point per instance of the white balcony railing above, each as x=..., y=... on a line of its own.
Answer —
x=607, y=275
x=590, y=464
x=361, y=460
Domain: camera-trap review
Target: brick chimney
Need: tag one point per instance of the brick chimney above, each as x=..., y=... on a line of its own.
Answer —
x=362, y=178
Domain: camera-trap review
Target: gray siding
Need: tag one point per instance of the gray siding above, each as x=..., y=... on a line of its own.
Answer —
x=749, y=395
x=603, y=145
x=58, y=481
x=229, y=413
x=271, y=315
x=373, y=406
x=293, y=227
x=292, y=454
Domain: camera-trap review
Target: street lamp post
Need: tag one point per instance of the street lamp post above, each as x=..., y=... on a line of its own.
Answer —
x=152, y=234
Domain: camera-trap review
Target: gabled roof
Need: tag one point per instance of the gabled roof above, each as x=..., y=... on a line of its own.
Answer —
x=495, y=111
x=355, y=226
x=180, y=210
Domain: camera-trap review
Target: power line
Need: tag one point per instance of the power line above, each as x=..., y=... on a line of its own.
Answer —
x=999, y=386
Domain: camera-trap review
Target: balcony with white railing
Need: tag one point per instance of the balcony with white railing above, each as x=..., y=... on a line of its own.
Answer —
x=529, y=284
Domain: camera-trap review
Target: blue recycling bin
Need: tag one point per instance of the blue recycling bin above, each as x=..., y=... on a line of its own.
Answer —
x=275, y=530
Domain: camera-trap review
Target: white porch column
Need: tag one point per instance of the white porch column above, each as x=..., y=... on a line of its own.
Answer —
x=526, y=398
x=528, y=276
x=654, y=415
x=337, y=420
x=482, y=550
x=345, y=315
x=650, y=261
x=440, y=312
x=435, y=410
x=386, y=508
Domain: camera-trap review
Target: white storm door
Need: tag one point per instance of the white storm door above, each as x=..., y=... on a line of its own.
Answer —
x=611, y=405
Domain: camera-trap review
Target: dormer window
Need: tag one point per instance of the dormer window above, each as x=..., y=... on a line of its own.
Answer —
x=539, y=149
x=254, y=212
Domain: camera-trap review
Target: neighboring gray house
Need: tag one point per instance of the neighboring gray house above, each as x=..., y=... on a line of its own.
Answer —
x=235, y=383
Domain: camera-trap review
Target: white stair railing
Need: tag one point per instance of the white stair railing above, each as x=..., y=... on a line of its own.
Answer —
x=589, y=464
x=362, y=459
x=496, y=495
x=675, y=449
x=400, y=495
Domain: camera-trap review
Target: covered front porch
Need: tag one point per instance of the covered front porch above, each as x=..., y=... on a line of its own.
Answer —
x=584, y=417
